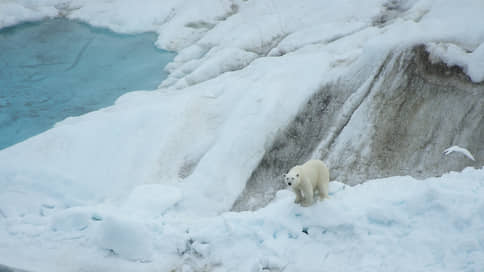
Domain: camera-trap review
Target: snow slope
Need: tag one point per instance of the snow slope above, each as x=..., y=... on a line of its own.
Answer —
x=147, y=183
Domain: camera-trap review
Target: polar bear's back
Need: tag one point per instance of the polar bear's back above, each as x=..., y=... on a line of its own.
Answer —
x=315, y=171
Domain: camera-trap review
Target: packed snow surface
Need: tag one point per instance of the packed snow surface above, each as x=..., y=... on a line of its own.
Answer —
x=146, y=184
x=392, y=224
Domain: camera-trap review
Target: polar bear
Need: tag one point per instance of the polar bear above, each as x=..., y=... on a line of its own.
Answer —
x=308, y=178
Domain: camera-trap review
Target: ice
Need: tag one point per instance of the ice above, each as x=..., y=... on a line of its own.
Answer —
x=319, y=34
x=13, y=12
x=145, y=199
x=392, y=223
x=377, y=224
x=459, y=149
x=71, y=220
x=226, y=60
x=124, y=237
x=453, y=55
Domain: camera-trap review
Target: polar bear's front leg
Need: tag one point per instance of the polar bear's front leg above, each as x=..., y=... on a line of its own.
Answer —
x=298, y=195
x=308, y=192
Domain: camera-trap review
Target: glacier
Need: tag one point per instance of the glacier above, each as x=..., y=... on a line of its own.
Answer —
x=187, y=177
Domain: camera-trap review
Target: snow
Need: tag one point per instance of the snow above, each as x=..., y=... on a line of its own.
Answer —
x=147, y=184
x=396, y=223
x=12, y=12
x=124, y=237
x=459, y=149
x=471, y=62
x=228, y=59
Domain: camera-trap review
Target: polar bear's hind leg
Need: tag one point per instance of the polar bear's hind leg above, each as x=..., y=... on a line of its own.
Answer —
x=308, y=192
x=323, y=190
x=323, y=183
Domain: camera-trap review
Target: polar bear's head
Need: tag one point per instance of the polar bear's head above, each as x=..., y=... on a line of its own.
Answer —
x=293, y=177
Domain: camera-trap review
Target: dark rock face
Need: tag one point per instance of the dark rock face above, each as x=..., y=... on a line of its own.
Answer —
x=397, y=122
x=429, y=108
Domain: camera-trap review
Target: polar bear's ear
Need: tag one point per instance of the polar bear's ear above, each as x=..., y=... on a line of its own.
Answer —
x=284, y=175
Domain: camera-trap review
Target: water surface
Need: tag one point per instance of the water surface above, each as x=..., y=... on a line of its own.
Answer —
x=57, y=68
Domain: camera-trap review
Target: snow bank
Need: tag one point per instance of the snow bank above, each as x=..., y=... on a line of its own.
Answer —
x=180, y=23
x=125, y=238
x=397, y=223
x=389, y=224
x=14, y=12
x=471, y=62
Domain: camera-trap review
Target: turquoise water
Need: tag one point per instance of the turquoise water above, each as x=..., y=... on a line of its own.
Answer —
x=57, y=68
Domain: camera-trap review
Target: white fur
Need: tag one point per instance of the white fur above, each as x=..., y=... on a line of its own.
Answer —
x=307, y=179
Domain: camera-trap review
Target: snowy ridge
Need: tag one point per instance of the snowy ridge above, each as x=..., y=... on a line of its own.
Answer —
x=273, y=28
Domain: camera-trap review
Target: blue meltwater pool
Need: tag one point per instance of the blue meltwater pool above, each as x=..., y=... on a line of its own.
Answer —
x=57, y=68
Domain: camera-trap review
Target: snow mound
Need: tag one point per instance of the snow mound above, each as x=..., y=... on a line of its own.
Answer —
x=125, y=238
x=382, y=225
x=472, y=62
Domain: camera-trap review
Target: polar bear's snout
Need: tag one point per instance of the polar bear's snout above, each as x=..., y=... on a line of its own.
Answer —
x=290, y=179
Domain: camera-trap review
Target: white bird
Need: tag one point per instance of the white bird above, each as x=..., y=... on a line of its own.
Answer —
x=460, y=150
